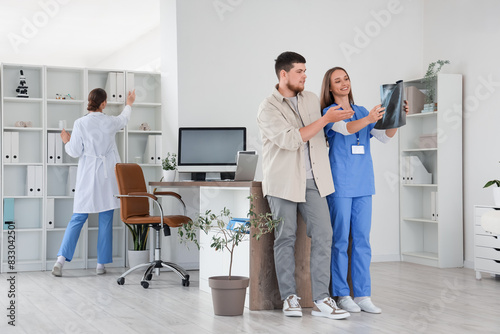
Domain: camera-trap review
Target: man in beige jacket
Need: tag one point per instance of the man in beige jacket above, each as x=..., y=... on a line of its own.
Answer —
x=297, y=176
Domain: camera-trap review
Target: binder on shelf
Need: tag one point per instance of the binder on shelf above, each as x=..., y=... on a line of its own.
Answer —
x=120, y=87
x=433, y=205
x=38, y=180
x=15, y=146
x=158, y=149
x=58, y=149
x=416, y=100
x=150, y=152
x=8, y=212
x=437, y=206
x=51, y=148
x=49, y=220
x=71, y=183
x=111, y=87
x=30, y=180
x=417, y=173
x=7, y=147
x=130, y=83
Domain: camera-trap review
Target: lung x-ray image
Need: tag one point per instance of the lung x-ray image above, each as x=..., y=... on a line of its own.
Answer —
x=392, y=97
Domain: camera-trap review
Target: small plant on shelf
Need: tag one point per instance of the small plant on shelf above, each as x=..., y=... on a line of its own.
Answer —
x=170, y=162
x=228, y=237
x=430, y=75
x=492, y=182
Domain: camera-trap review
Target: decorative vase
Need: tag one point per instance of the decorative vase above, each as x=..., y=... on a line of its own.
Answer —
x=496, y=196
x=169, y=175
x=137, y=257
x=228, y=295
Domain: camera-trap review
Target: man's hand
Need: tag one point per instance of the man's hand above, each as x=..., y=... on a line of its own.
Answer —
x=333, y=114
x=131, y=98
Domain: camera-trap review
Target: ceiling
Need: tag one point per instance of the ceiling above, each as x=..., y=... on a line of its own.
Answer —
x=76, y=32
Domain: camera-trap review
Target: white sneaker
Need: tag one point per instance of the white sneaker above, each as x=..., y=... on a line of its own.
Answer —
x=57, y=270
x=328, y=309
x=366, y=305
x=346, y=303
x=291, y=306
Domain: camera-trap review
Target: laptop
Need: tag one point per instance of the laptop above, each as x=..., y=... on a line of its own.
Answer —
x=246, y=165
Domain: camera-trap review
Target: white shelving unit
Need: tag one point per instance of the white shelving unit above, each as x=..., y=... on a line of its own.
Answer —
x=36, y=242
x=426, y=240
x=486, y=245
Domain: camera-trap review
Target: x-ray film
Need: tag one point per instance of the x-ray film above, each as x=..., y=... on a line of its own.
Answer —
x=392, y=97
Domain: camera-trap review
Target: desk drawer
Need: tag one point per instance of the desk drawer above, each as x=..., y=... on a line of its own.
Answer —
x=487, y=241
x=479, y=230
x=487, y=253
x=478, y=212
x=487, y=265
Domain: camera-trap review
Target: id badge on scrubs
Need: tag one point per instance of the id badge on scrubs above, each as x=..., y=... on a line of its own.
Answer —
x=358, y=149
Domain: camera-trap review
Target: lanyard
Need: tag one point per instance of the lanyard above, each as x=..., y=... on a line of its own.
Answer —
x=355, y=118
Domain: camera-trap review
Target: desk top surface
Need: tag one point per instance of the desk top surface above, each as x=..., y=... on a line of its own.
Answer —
x=180, y=184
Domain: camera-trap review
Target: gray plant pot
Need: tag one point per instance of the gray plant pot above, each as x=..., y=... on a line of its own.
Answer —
x=228, y=296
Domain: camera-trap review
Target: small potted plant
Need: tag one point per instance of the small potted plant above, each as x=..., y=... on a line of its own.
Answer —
x=228, y=292
x=169, y=165
x=429, y=80
x=139, y=254
x=496, y=190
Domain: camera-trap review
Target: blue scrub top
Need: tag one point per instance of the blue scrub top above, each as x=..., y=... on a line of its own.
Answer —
x=352, y=173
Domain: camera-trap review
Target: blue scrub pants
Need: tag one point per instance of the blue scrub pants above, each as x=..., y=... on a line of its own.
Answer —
x=351, y=215
x=104, y=236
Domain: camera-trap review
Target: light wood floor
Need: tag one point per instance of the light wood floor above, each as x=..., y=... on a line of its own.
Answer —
x=414, y=299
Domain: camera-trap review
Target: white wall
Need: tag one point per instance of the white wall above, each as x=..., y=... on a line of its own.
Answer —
x=468, y=36
x=226, y=51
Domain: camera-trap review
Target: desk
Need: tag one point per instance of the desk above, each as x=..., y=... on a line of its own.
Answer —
x=258, y=261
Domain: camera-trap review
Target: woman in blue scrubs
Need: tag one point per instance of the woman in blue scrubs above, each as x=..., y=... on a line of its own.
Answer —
x=351, y=203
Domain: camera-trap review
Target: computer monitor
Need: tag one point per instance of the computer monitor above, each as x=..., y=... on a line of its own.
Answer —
x=209, y=149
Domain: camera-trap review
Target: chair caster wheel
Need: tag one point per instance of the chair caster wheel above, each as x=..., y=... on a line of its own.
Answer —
x=185, y=282
x=145, y=284
x=120, y=280
x=149, y=277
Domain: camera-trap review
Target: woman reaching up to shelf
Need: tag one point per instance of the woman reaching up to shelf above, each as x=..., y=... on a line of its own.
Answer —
x=351, y=203
x=93, y=142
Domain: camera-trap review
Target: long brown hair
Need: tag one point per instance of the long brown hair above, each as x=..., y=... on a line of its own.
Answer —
x=326, y=98
x=96, y=97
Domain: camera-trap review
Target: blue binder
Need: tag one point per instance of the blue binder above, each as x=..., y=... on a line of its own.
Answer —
x=8, y=212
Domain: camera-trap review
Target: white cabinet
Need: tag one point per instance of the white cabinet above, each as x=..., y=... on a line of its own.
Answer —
x=57, y=98
x=431, y=215
x=486, y=245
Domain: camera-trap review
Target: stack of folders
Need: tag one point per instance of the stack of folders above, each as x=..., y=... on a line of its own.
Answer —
x=434, y=206
x=71, y=183
x=10, y=147
x=8, y=212
x=34, y=180
x=414, y=172
x=115, y=87
x=152, y=154
x=54, y=148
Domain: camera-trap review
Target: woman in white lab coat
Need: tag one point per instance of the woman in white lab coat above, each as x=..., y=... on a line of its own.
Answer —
x=93, y=142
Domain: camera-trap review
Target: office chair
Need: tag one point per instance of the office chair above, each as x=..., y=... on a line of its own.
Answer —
x=134, y=209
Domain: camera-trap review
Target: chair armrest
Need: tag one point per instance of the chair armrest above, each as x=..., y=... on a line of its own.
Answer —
x=139, y=195
x=167, y=193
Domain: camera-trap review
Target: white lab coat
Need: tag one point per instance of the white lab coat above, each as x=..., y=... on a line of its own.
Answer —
x=93, y=141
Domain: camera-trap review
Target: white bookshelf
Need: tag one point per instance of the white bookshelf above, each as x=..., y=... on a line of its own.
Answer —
x=37, y=243
x=426, y=240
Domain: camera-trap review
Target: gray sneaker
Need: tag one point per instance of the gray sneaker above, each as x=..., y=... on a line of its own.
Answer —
x=291, y=306
x=346, y=303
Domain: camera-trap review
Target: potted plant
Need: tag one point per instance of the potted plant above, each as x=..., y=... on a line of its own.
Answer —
x=228, y=291
x=139, y=254
x=169, y=167
x=496, y=190
x=429, y=81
